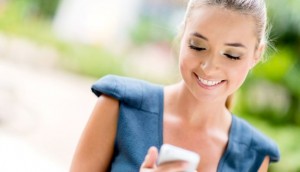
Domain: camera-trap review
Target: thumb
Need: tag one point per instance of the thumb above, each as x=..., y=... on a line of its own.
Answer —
x=151, y=157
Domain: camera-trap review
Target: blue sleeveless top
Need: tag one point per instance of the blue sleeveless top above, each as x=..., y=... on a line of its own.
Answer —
x=140, y=126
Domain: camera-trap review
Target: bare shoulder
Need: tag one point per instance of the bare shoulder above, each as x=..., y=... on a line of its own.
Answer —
x=265, y=165
x=95, y=148
x=106, y=103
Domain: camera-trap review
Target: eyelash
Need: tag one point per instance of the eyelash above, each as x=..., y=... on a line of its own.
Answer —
x=227, y=55
x=232, y=57
x=196, y=48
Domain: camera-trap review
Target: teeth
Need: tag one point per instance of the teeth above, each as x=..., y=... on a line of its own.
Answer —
x=209, y=83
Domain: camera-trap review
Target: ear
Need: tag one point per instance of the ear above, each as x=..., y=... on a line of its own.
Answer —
x=258, y=54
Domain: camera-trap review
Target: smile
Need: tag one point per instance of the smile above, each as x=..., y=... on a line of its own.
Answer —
x=209, y=83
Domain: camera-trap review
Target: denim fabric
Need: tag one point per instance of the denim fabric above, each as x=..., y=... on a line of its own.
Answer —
x=140, y=126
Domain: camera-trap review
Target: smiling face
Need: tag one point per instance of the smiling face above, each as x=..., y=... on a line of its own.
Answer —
x=218, y=48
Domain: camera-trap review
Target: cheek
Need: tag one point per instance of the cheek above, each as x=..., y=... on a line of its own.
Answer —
x=241, y=70
x=188, y=63
x=240, y=76
x=184, y=63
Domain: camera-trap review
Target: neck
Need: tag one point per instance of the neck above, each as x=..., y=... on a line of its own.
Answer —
x=193, y=111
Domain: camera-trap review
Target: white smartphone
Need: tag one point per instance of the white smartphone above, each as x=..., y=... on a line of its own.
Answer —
x=170, y=153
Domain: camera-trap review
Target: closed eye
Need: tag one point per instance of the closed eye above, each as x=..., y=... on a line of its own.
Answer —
x=232, y=57
x=197, y=48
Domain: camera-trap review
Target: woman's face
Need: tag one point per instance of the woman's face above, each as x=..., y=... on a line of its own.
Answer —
x=217, y=50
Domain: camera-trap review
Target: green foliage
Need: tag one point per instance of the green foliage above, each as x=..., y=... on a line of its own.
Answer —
x=90, y=61
x=147, y=30
x=285, y=18
x=37, y=8
x=272, y=90
x=276, y=68
x=45, y=7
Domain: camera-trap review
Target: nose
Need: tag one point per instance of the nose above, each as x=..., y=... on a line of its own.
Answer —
x=209, y=64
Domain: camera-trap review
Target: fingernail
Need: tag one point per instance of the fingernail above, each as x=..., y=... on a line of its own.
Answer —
x=150, y=149
x=146, y=157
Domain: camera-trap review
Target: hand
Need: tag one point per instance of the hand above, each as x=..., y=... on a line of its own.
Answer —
x=149, y=164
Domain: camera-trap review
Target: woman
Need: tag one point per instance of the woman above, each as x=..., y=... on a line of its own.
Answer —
x=221, y=41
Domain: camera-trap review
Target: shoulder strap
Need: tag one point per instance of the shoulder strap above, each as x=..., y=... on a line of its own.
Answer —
x=254, y=139
x=137, y=93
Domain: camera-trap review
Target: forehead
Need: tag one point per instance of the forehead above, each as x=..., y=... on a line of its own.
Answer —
x=220, y=24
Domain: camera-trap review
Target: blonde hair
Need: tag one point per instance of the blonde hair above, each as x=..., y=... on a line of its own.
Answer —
x=254, y=8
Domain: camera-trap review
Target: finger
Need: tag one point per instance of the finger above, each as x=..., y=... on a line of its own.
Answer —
x=150, y=158
x=173, y=166
x=153, y=155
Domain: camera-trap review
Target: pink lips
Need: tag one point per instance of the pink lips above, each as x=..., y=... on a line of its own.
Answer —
x=207, y=86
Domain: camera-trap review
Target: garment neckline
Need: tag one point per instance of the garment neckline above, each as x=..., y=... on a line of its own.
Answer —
x=230, y=135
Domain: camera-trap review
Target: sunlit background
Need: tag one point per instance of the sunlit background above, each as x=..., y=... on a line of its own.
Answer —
x=51, y=51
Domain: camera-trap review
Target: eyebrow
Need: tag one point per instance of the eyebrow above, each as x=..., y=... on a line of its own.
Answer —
x=235, y=45
x=196, y=34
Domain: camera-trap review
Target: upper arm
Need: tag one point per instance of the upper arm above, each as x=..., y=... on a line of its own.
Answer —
x=95, y=148
x=265, y=164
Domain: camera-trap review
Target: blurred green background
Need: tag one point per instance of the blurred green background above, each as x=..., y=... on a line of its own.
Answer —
x=269, y=99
